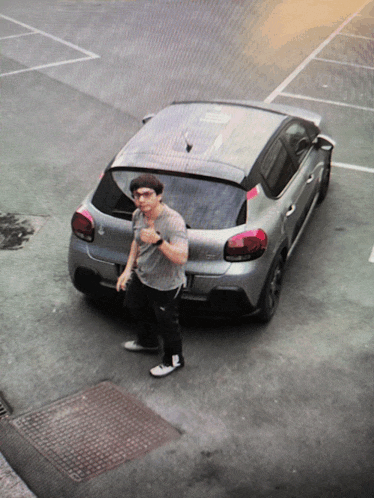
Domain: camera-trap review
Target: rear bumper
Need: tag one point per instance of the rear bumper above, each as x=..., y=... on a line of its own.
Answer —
x=220, y=301
x=89, y=275
x=225, y=294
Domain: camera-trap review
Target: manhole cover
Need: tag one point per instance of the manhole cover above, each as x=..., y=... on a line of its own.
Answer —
x=16, y=229
x=94, y=431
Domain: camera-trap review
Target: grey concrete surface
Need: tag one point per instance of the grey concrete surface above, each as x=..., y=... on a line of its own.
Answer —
x=11, y=485
x=284, y=410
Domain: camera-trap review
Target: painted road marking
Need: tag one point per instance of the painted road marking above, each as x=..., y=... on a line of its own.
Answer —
x=354, y=167
x=371, y=259
x=324, y=101
x=341, y=63
x=18, y=36
x=88, y=55
x=55, y=38
x=357, y=36
x=357, y=168
x=43, y=66
x=278, y=91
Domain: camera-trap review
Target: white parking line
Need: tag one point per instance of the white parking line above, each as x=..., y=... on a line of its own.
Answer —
x=357, y=36
x=371, y=258
x=357, y=168
x=18, y=36
x=52, y=64
x=341, y=63
x=88, y=55
x=55, y=38
x=325, y=101
x=354, y=167
x=278, y=91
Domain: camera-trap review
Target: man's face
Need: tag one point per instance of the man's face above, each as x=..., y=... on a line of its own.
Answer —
x=146, y=199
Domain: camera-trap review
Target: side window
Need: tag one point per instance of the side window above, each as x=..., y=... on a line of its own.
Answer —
x=298, y=140
x=277, y=168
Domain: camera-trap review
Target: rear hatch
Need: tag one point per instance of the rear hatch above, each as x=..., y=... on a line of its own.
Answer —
x=210, y=208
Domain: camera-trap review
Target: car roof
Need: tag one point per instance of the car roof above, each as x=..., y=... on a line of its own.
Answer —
x=217, y=139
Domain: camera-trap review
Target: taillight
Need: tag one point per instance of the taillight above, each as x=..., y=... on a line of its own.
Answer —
x=246, y=246
x=82, y=225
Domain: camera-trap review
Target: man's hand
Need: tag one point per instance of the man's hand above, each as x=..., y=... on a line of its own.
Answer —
x=176, y=252
x=122, y=280
x=149, y=235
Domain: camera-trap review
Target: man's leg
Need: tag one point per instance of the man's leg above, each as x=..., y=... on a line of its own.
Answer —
x=166, y=308
x=137, y=302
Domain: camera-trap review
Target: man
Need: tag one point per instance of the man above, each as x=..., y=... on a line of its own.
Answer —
x=154, y=274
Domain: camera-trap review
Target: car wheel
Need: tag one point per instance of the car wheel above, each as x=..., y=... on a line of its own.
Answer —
x=271, y=292
x=325, y=182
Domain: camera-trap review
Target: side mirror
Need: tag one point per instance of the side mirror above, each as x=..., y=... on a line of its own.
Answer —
x=325, y=143
x=147, y=118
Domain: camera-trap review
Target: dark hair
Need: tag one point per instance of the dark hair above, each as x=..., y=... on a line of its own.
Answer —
x=147, y=180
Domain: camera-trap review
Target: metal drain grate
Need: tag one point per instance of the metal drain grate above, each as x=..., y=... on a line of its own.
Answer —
x=5, y=409
x=94, y=431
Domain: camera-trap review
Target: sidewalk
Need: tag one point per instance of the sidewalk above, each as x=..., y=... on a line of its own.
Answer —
x=11, y=485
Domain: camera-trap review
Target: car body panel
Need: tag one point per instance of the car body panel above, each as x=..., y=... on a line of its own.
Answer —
x=112, y=238
x=298, y=197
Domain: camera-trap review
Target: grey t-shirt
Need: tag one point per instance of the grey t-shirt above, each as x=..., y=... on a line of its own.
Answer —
x=153, y=268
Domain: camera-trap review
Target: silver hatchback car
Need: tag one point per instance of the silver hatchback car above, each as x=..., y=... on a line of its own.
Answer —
x=245, y=176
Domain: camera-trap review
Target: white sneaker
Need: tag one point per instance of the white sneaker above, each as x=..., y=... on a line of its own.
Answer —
x=136, y=347
x=161, y=370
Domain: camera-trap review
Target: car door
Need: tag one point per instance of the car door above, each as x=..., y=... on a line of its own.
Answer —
x=278, y=170
x=306, y=180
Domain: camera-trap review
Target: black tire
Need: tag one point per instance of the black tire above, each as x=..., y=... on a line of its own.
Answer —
x=270, y=294
x=325, y=182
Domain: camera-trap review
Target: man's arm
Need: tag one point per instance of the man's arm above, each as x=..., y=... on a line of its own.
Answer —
x=126, y=274
x=176, y=252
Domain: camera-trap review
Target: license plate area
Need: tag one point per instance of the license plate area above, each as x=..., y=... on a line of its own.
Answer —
x=189, y=282
x=189, y=277
x=120, y=269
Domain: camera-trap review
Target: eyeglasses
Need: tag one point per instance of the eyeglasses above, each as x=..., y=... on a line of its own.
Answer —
x=146, y=195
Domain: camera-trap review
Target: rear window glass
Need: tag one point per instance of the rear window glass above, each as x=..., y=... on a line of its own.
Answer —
x=204, y=204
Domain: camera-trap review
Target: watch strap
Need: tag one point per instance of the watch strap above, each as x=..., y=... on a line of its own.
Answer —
x=159, y=242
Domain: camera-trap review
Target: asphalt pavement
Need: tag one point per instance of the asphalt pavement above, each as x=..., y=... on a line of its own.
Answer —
x=283, y=410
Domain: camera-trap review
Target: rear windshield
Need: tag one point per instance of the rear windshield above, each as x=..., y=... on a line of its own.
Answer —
x=203, y=203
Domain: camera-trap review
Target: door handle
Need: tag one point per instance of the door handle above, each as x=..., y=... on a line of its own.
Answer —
x=310, y=179
x=291, y=210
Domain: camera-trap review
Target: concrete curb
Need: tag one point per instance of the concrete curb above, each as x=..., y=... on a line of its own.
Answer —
x=11, y=486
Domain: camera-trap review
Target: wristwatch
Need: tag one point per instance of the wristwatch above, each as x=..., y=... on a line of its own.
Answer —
x=159, y=242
